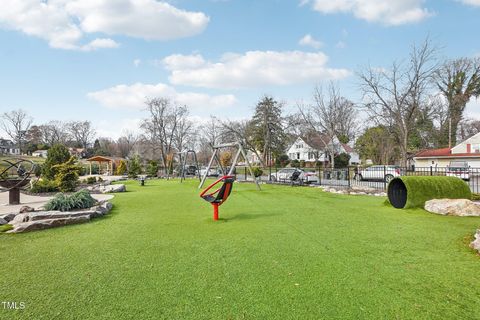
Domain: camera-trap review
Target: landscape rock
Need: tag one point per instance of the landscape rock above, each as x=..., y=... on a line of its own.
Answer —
x=476, y=243
x=3, y=221
x=8, y=217
x=113, y=188
x=48, y=215
x=49, y=223
x=453, y=207
x=22, y=217
x=25, y=209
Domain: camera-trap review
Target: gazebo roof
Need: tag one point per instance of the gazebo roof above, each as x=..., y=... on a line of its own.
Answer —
x=100, y=159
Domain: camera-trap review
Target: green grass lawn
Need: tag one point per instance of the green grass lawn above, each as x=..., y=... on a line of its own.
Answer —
x=282, y=253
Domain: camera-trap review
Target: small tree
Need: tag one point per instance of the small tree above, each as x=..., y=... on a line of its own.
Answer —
x=152, y=168
x=57, y=154
x=342, y=160
x=122, y=168
x=66, y=176
x=134, y=167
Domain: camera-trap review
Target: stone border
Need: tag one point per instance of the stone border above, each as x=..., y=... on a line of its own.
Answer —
x=39, y=220
x=355, y=191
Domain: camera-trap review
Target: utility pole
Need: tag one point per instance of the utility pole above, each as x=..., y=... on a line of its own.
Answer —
x=450, y=132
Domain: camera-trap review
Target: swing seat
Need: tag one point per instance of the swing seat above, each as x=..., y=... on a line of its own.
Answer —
x=219, y=196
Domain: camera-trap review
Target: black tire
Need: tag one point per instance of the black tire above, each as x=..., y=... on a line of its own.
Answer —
x=273, y=178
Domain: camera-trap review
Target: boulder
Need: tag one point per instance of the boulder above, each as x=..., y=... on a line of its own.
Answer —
x=48, y=215
x=22, y=217
x=453, y=207
x=25, y=209
x=476, y=243
x=8, y=217
x=3, y=221
x=113, y=188
x=49, y=223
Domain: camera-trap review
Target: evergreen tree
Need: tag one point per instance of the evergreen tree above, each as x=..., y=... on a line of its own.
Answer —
x=57, y=154
x=266, y=129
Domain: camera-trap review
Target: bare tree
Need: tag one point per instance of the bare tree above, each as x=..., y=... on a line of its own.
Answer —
x=82, y=132
x=458, y=80
x=467, y=128
x=16, y=124
x=333, y=116
x=393, y=97
x=162, y=126
x=54, y=132
x=126, y=143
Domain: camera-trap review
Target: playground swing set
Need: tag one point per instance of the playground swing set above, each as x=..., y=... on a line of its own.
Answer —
x=183, y=158
x=221, y=194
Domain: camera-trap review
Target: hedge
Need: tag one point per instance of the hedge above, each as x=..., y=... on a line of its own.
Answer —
x=413, y=191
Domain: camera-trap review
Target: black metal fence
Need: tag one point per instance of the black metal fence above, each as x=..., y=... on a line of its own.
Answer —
x=375, y=177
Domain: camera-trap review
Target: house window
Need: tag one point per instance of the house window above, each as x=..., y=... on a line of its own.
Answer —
x=298, y=155
x=299, y=146
x=475, y=148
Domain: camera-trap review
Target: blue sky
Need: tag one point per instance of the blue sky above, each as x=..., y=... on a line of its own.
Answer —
x=99, y=59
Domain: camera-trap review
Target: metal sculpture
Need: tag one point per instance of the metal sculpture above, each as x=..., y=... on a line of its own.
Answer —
x=14, y=175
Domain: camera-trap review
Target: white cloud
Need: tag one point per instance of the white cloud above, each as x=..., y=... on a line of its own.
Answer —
x=254, y=68
x=134, y=96
x=137, y=62
x=471, y=2
x=393, y=12
x=341, y=45
x=472, y=109
x=64, y=23
x=104, y=128
x=308, y=40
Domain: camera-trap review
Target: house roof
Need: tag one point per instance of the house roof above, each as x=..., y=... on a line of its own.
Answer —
x=444, y=153
x=317, y=140
x=347, y=148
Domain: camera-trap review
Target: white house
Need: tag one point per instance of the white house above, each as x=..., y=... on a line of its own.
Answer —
x=313, y=148
x=40, y=153
x=466, y=151
x=8, y=147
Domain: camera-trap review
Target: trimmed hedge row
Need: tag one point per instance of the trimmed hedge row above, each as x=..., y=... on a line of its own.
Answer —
x=412, y=191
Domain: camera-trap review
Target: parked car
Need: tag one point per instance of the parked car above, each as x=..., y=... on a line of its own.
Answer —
x=379, y=173
x=213, y=172
x=459, y=169
x=286, y=174
x=191, y=170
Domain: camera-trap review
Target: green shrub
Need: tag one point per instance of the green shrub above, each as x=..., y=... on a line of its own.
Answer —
x=57, y=154
x=91, y=180
x=421, y=189
x=66, y=175
x=44, y=186
x=6, y=227
x=152, y=168
x=257, y=172
x=476, y=196
x=134, y=167
x=302, y=163
x=295, y=163
x=79, y=200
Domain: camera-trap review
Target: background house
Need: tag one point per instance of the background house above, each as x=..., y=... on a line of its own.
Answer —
x=40, y=153
x=7, y=147
x=315, y=147
x=466, y=151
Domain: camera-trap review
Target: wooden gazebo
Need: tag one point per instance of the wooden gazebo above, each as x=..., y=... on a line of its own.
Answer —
x=110, y=162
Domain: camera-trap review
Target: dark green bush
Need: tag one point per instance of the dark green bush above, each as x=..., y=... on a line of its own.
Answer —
x=421, y=189
x=476, y=196
x=257, y=172
x=152, y=168
x=134, y=167
x=302, y=163
x=57, y=154
x=44, y=186
x=295, y=163
x=91, y=180
x=79, y=200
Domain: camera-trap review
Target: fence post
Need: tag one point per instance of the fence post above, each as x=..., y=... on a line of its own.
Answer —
x=348, y=177
x=384, y=177
x=245, y=173
x=431, y=170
